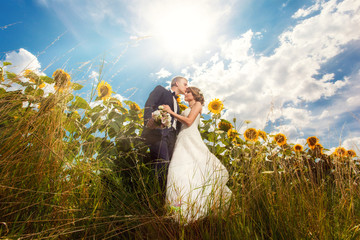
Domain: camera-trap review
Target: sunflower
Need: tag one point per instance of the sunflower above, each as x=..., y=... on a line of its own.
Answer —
x=318, y=148
x=280, y=139
x=262, y=134
x=251, y=134
x=298, y=148
x=135, y=107
x=232, y=134
x=30, y=75
x=237, y=141
x=104, y=90
x=182, y=107
x=312, y=141
x=178, y=98
x=116, y=102
x=62, y=80
x=351, y=153
x=224, y=125
x=215, y=106
x=340, y=152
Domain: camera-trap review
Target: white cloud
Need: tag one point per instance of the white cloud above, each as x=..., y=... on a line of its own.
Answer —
x=352, y=143
x=305, y=12
x=301, y=141
x=21, y=61
x=97, y=103
x=346, y=102
x=163, y=73
x=290, y=131
x=298, y=116
x=238, y=49
x=120, y=97
x=279, y=86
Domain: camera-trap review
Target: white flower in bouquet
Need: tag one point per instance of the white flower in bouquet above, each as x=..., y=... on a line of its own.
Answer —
x=162, y=118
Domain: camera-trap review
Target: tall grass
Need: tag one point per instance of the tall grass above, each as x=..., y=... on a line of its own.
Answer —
x=71, y=171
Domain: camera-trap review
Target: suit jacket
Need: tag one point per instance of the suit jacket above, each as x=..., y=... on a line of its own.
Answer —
x=159, y=96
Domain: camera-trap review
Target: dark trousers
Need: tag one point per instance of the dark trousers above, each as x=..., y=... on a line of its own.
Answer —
x=161, y=153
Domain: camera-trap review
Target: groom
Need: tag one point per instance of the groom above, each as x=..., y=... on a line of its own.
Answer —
x=162, y=141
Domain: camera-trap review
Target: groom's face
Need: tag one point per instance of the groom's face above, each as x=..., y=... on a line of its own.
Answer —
x=182, y=85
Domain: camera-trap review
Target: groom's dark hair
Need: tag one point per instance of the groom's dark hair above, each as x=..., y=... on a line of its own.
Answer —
x=175, y=79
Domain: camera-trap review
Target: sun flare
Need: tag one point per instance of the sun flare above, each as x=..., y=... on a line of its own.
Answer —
x=182, y=28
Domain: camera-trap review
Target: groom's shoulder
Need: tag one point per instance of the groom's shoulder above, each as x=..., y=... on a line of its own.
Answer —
x=159, y=88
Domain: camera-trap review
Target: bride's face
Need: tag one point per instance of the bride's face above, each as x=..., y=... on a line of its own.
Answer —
x=188, y=96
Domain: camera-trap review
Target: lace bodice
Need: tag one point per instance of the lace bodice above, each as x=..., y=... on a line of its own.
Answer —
x=194, y=126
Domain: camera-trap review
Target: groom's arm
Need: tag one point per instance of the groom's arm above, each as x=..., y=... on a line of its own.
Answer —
x=151, y=105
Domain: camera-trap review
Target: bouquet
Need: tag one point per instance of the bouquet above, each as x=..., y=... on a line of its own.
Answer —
x=162, y=118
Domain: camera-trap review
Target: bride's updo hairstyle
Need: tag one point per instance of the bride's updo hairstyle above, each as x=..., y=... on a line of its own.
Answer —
x=198, y=95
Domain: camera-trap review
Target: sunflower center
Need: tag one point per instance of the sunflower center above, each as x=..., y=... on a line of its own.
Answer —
x=312, y=141
x=280, y=138
x=351, y=153
x=215, y=106
x=134, y=107
x=341, y=152
x=224, y=126
x=251, y=134
x=104, y=91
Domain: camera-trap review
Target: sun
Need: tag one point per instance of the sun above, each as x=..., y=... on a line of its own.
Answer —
x=182, y=28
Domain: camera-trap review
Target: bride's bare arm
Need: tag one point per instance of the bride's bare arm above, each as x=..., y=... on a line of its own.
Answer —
x=196, y=109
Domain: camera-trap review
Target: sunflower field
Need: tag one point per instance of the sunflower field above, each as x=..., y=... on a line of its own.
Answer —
x=77, y=168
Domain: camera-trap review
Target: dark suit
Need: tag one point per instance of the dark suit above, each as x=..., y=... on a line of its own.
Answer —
x=160, y=141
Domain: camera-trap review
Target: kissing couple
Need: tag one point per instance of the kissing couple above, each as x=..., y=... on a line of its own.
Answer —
x=192, y=179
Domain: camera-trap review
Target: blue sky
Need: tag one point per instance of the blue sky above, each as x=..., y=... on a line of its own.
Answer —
x=290, y=66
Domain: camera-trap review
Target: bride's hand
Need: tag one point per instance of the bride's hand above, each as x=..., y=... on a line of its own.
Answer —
x=166, y=108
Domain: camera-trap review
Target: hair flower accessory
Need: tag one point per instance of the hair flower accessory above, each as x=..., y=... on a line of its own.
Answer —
x=200, y=92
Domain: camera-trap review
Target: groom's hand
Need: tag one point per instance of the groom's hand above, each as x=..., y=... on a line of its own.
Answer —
x=151, y=124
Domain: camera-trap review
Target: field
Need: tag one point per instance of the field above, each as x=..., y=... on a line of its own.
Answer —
x=74, y=170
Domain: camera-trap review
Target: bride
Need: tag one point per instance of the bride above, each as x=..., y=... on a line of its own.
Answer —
x=196, y=182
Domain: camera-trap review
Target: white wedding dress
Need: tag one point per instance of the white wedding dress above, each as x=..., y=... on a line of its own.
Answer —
x=196, y=182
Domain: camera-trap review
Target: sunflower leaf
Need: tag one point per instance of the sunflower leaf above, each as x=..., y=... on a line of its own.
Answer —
x=69, y=98
x=76, y=86
x=80, y=103
x=128, y=102
x=96, y=116
x=29, y=90
x=10, y=75
x=113, y=130
x=113, y=114
x=47, y=79
x=39, y=92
